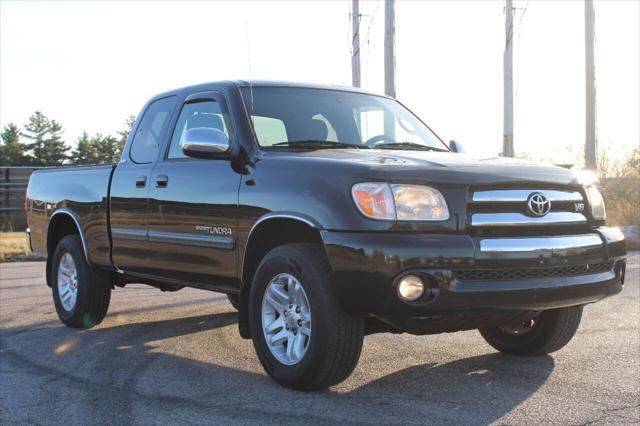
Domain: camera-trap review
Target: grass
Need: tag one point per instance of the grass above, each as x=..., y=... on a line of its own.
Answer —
x=13, y=245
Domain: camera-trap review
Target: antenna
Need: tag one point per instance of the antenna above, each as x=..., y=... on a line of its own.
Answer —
x=249, y=68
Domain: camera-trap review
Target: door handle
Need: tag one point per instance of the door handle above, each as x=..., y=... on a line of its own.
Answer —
x=141, y=182
x=162, y=181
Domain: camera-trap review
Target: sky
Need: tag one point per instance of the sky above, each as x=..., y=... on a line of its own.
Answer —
x=91, y=64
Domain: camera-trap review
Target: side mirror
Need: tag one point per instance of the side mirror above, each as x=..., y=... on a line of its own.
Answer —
x=456, y=146
x=204, y=142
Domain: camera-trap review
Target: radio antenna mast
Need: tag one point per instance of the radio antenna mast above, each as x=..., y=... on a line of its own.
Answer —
x=249, y=69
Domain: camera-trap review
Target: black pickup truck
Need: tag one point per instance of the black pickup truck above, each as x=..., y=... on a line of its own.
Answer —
x=325, y=214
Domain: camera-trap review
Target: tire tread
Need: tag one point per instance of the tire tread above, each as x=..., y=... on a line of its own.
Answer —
x=554, y=331
x=345, y=344
x=92, y=305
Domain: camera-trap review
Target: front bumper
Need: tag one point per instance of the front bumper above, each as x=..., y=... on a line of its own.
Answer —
x=366, y=267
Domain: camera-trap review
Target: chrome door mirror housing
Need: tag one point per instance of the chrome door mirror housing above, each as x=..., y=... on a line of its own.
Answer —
x=205, y=142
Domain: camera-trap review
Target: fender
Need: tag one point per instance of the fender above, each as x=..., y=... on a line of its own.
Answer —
x=243, y=319
x=72, y=215
x=301, y=217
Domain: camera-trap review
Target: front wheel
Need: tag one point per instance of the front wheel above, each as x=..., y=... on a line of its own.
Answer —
x=548, y=332
x=81, y=293
x=301, y=334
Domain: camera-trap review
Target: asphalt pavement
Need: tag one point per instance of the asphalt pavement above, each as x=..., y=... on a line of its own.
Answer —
x=177, y=358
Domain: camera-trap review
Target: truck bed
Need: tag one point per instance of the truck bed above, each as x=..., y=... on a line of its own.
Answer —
x=80, y=191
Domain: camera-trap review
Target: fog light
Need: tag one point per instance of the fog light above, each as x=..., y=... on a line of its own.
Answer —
x=410, y=288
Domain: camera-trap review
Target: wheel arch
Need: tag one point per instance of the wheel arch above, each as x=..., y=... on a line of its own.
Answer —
x=270, y=231
x=63, y=222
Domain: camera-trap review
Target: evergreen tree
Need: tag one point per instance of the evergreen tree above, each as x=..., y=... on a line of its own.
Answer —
x=107, y=148
x=48, y=148
x=85, y=152
x=12, y=151
x=96, y=149
x=124, y=134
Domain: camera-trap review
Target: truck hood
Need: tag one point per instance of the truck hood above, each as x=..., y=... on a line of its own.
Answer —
x=438, y=166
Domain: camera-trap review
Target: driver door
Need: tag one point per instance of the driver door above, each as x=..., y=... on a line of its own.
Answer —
x=193, y=204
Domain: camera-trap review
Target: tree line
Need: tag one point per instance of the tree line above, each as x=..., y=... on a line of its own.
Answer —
x=40, y=143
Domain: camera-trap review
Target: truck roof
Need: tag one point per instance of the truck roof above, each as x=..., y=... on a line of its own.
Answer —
x=264, y=83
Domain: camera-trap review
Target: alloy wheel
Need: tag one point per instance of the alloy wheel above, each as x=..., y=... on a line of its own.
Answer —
x=67, y=282
x=286, y=319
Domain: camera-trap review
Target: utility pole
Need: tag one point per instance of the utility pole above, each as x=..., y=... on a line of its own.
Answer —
x=389, y=48
x=389, y=63
x=507, y=142
x=590, y=148
x=355, y=44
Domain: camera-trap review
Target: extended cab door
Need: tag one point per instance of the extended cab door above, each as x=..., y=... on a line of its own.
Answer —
x=192, y=222
x=130, y=186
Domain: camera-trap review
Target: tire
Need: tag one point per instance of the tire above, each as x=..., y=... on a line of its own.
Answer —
x=93, y=286
x=549, y=332
x=234, y=299
x=334, y=341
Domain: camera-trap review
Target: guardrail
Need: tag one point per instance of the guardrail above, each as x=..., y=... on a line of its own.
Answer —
x=13, y=186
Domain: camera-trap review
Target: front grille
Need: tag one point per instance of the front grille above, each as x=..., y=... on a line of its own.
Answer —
x=518, y=208
x=514, y=274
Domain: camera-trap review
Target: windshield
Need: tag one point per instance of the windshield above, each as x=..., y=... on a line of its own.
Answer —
x=290, y=116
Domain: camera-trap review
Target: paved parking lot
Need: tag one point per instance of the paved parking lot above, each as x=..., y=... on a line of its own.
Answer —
x=177, y=358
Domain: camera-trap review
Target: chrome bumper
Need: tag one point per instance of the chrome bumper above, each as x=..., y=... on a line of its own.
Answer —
x=548, y=246
x=539, y=244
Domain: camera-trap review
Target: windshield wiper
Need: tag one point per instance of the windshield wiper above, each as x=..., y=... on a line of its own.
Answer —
x=408, y=145
x=312, y=143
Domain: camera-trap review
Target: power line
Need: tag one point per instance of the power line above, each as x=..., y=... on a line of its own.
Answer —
x=524, y=10
x=373, y=18
x=356, y=43
x=366, y=37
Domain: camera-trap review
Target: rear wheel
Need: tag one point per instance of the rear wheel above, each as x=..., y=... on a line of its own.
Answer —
x=81, y=293
x=546, y=333
x=302, y=336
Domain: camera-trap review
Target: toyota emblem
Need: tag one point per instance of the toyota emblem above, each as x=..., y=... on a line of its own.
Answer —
x=538, y=204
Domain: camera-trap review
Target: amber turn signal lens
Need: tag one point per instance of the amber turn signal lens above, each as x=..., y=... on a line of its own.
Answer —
x=374, y=200
x=364, y=200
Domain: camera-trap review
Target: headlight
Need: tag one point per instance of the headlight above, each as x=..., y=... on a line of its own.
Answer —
x=415, y=202
x=399, y=202
x=596, y=202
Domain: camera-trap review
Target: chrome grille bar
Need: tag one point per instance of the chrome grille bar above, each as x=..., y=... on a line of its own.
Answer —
x=519, y=219
x=521, y=195
x=539, y=244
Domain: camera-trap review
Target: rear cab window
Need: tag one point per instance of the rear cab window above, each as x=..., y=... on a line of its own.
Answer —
x=148, y=137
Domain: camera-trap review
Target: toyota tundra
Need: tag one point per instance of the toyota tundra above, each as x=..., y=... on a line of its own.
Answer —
x=325, y=214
